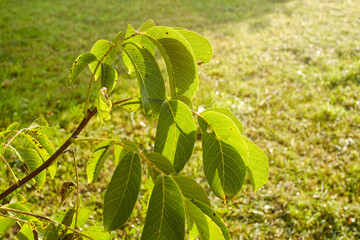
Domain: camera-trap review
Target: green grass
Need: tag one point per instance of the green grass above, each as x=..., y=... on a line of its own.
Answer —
x=290, y=70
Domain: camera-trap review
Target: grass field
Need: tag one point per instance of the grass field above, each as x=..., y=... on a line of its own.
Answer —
x=290, y=70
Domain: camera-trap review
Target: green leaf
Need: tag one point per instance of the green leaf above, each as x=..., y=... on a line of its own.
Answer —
x=132, y=105
x=175, y=133
x=151, y=82
x=38, y=122
x=103, y=105
x=179, y=58
x=33, y=161
x=225, y=153
x=120, y=151
x=97, y=233
x=161, y=162
x=118, y=37
x=28, y=232
x=191, y=189
x=22, y=205
x=108, y=77
x=165, y=217
x=213, y=216
x=230, y=115
x=199, y=44
x=66, y=189
x=13, y=126
x=80, y=63
x=184, y=99
x=146, y=25
x=83, y=217
x=123, y=191
x=205, y=227
x=258, y=166
x=100, y=49
x=97, y=160
x=5, y=224
x=2, y=138
x=43, y=146
x=131, y=35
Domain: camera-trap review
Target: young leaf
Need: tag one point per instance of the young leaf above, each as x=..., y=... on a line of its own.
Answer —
x=33, y=161
x=97, y=160
x=151, y=82
x=13, y=126
x=28, y=232
x=179, y=58
x=103, y=105
x=108, y=77
x=225, y=153
x=146, y=25
x=104, y=52
x=205, y=227
x=96, y=232
x=131, y=105
x=161, y=162
x=123, y=191
x=118, y=37
x=5, y=224
x=230, y=115
x=80, y=63
x=165, y=217
x=175, y=133
x=199, y=44
x=43, y=146
x=258, y=166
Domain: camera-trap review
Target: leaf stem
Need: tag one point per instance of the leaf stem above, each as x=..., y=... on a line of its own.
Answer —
x=58, y=152
x=77, y=188
x=42, y=217
x=8, y=166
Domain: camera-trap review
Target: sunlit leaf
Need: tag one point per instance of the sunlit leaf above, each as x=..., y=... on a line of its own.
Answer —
x=33, y=161
x=5, y=224
x=132, y=105
x=100, y=49
x=120, y=151
x=80, y=63
x=96, y=232
x=2, y=149
x=118, y=37
x=146, y=25
x=165, y=217
x=97, y=160
x=38, y=122
x=123, y=191
x=179, y=58
x=205, y=227
x=175, y=133
x=103, y=105
x=13, y=126
x=199, y=44
x=225, y=153
x=108, y=77
x=28, y=232
x=82, y=218
x=151, y=82
x=230, y=115
x=258, y=166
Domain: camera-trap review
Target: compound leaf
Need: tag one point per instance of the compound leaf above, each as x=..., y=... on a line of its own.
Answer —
x=258, y=166
x=80, y=63
x=123, y=191
x=166, y=213
x=97, y=160
x=225, y=153
x=175, y=133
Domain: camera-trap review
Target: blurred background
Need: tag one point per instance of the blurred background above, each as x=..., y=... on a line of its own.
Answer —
x=289, y=69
